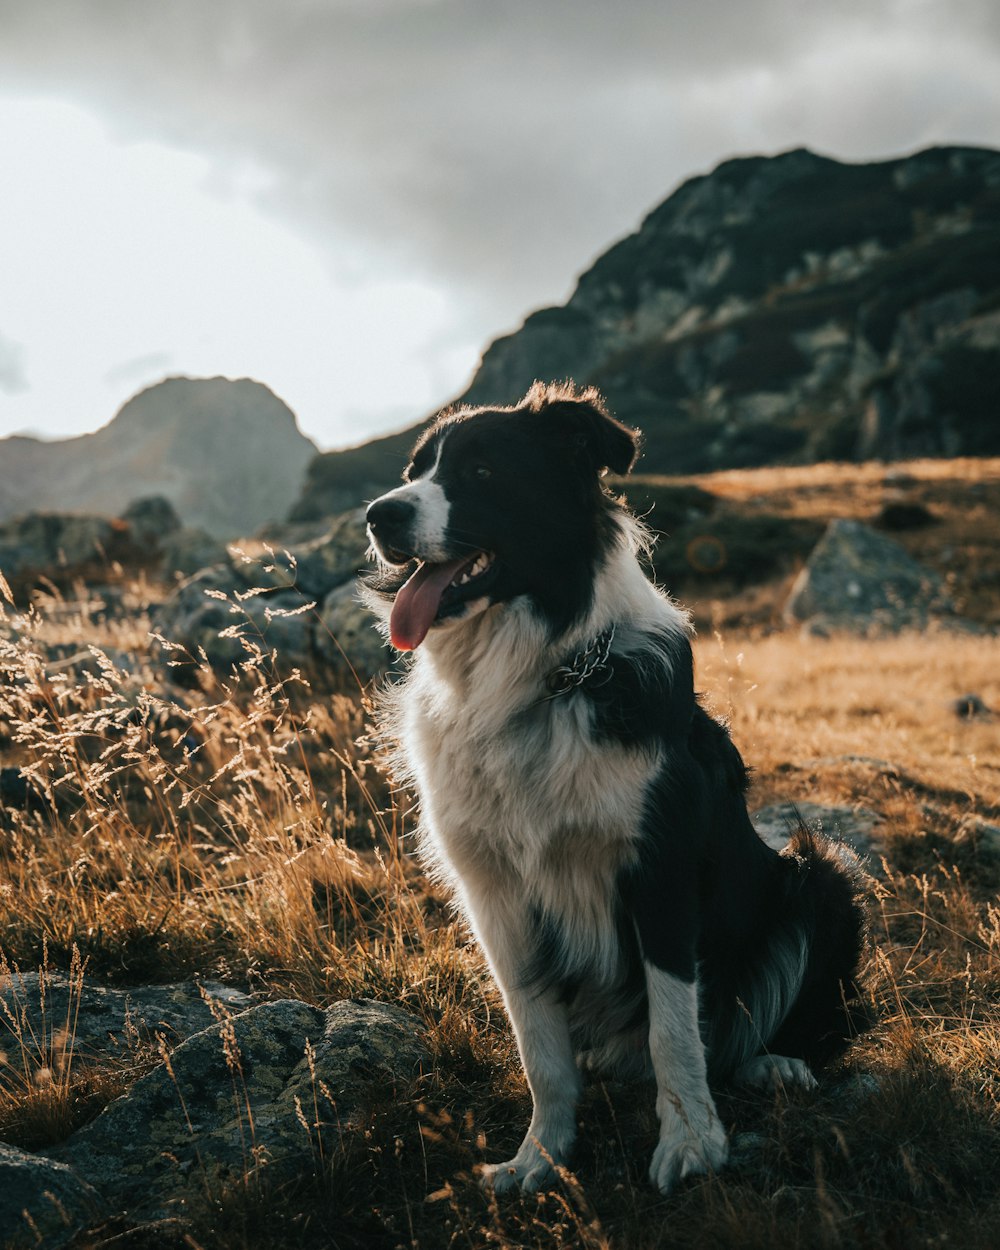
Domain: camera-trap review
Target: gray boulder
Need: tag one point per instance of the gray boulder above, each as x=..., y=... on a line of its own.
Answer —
x=275, y=1087
x=299, y=598
x=49, y=541
x=187, y=550
x=861, y=581
x=346, y=635
x=214, y=612
x=104, y=1019
x=334, y=558
x=150, y=519
x=314, y=566
x=42, y=1202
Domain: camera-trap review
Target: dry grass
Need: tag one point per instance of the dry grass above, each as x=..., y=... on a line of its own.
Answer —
x=962, y=543
x=240, y=832
x=830, y=709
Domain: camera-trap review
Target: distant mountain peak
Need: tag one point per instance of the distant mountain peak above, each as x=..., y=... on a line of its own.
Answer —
x=227, y=453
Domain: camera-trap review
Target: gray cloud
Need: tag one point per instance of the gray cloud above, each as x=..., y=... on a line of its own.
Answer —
x=495, y=146
x=13, y=370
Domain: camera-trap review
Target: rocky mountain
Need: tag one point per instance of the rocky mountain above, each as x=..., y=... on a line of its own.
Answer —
x=227, y=454
x=777, y=310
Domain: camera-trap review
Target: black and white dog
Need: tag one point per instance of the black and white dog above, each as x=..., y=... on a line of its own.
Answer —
x=587, y=813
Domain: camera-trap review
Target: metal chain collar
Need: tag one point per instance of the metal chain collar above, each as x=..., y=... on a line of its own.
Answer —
x=591, y=662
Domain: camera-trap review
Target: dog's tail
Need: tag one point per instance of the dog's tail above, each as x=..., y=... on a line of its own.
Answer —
x=798, y=994
x=831, y=889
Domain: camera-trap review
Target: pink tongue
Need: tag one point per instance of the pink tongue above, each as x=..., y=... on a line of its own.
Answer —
x=417, y=601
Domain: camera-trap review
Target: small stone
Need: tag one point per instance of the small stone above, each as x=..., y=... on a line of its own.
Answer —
x=744, y=1148
x=985, y=837
x=971, y=707
x=14, y=791
x=905, y=516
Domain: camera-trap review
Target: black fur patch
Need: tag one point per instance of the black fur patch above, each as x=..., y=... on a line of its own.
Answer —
x=648, y=693
x=708, y=898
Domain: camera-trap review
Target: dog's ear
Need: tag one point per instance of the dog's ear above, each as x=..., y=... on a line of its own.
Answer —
x=597, y=438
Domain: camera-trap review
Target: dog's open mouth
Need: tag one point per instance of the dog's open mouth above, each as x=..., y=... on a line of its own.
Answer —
x=434, y=592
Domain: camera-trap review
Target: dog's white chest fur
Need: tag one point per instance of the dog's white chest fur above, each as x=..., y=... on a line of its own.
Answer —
x=521, y=805
x=517, y=793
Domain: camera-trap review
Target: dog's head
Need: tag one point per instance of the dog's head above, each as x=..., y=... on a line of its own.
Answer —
x=499, y=503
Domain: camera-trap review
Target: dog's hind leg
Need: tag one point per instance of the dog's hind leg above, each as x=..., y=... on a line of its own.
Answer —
x=692, y=1139
x=775, y=1071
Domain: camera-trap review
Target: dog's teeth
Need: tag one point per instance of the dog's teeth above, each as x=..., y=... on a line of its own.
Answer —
x=480, y=565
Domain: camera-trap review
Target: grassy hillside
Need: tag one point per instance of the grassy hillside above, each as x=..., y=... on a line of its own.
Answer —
x=730, y=543
x=241, y=831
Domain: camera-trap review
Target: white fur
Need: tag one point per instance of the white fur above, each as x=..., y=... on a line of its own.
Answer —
x=775, y=1071
x=692, y=1139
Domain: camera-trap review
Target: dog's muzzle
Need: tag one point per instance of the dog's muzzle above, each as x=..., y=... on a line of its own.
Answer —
x=390, y=524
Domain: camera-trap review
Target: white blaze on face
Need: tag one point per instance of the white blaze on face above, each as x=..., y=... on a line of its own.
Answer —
x=433, y=508
x=431, y=511
x=430, y=522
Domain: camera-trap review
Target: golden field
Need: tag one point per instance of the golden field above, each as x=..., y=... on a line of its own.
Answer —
x=239, y=829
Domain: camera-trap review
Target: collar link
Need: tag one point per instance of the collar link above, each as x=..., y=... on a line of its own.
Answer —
x=591, y=664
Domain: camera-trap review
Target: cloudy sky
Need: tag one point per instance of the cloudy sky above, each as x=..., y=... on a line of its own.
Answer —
x=347, y=199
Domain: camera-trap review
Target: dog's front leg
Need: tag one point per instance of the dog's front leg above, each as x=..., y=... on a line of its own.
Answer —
x=541, y=1027
x=692, y=1139
x=544, y=1045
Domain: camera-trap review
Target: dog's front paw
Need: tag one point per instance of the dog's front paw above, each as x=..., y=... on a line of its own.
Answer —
x=532, y=1168
x=682, y=1153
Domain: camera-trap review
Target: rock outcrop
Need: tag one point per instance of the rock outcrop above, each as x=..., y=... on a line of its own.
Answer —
x=42, y=1202
x=777, y=310
x=299, y=599
x=276, y=1089
x=105, y=1019
x=148, y=534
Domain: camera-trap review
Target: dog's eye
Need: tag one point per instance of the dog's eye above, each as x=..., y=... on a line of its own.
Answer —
x=483, y=471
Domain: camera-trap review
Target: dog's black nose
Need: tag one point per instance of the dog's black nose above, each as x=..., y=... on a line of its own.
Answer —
x=390, y=518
